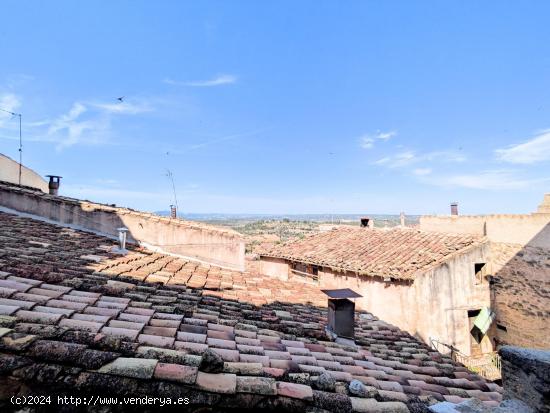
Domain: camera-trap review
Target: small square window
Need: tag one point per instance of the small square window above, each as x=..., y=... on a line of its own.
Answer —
x=479, y=271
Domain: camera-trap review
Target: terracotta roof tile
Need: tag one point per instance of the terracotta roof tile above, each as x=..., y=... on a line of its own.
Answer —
x=261, y=328
x=397, y=253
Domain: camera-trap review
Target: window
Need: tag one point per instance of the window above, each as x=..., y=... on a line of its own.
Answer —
x=476, y=334
x=305, y=271
x=501, y=327
x=479, y=271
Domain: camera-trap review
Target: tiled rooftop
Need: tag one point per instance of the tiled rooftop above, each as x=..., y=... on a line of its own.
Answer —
x=74, y=315
x=399, y=253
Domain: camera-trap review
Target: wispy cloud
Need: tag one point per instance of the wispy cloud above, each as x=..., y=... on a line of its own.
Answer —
x=532, y=151
x=487, y=180
x=70, y=129
x=422, y=171
x=18, y=79
x=398, y=160
x=105, y=194
x=214, y=141
x=9, y=102
x=367, y=143
x=408, y=158
x=223, y=79
x=86, y=122
x=368, y=140
x=124, y=108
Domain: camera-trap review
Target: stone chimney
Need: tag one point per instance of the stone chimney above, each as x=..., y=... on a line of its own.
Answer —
x=454, y=208
x=173, y=211
x=544, y=207
x=367, y=222
x=53, y=185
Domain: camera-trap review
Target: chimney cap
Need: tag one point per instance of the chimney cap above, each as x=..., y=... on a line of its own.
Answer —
x=341, y=293
x=53, y=176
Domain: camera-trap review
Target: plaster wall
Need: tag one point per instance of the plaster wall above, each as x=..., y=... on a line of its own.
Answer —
x=435, y=305
x=9, y=172
x=184, y=238
x=274, y=267
x=514, y=229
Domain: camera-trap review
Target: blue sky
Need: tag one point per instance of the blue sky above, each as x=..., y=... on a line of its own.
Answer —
x=283, y=107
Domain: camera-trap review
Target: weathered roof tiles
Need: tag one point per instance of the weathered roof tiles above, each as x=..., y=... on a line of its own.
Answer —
x=397, y=252
x=128, y=341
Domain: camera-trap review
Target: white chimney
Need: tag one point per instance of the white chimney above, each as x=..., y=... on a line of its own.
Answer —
x=122, y=238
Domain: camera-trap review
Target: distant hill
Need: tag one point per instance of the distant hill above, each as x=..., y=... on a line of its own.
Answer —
x=344, y=218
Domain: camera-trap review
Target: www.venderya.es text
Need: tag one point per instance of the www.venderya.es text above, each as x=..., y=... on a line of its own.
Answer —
x=98, y=401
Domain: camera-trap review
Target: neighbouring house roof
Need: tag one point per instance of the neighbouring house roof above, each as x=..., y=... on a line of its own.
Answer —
x=399, y=253
x=76, y=318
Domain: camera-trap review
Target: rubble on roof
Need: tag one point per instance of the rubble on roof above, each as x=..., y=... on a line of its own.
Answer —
x=152, y=324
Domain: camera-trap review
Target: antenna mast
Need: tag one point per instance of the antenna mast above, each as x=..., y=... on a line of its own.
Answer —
x=170, y=175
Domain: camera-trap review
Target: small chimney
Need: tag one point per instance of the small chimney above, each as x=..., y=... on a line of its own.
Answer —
x=53, y=185
x=173, y=211
x=341, y=312
x=454, y=208
x=367, y=222
x=402, y=219
x=122, y=238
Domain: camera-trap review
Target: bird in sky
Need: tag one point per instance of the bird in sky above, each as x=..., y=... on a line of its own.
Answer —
x=121, y=99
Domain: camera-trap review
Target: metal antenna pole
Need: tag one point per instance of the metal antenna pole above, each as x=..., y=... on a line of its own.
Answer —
x=20, y=150
x=171, y=176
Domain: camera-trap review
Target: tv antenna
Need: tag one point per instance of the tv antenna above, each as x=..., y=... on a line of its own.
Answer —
x=20, y=140
x=170, y=175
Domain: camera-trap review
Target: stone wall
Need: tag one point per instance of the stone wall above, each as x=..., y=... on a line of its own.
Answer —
x=521, y=294
x=520, y=265
x=185, y=238
x=512, y=229
x=274, y=267
x=9, y=172
x=435, y=305
x=526, y=376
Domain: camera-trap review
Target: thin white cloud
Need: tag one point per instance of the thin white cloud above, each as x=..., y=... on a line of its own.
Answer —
x=18, y=79
x=399, y=160
x=532, y=151
x=486, y=180
x=408, y=158
x=104, y=194
x=69, y=129
x=214, y=141
x=385, y=135
x=367, y=143
x=422, y=171
x=89, y=123
x=368, y=140
x=124, y=108
x=224, y=79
